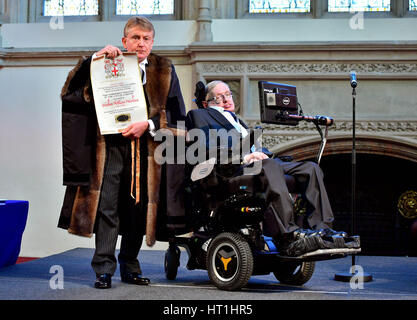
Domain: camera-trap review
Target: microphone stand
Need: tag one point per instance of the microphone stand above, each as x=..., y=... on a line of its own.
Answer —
x=347, y=276
x=353, y=203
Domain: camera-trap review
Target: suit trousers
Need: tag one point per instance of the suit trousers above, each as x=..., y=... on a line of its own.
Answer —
x=116, y=203
x=279, y=218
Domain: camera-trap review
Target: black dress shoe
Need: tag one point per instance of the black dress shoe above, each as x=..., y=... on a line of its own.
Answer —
x=135, y=278
x=338, y=239
x=328, y=233
x=300, y=246
x=103, y=281
x=353, y=242
x=302, y=233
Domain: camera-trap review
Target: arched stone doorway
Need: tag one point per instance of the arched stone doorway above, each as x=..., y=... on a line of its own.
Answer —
x=386, y=168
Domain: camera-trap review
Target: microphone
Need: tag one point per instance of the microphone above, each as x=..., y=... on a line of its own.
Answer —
x=324, y=120
x=320, y=120
x=353, y=80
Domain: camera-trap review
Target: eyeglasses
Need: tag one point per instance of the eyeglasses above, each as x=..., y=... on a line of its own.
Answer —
x=221, y=97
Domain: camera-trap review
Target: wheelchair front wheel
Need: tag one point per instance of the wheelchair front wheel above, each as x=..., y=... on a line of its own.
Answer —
x=229, y=261
x=295, y=273
x=172, y=262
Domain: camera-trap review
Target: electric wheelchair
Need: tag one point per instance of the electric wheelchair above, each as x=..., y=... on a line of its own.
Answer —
x=225, y=214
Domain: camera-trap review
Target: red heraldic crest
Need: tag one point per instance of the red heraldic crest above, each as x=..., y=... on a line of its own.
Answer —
x=114, y=68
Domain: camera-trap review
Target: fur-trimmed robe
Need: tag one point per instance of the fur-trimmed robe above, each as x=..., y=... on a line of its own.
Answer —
x=84, y=149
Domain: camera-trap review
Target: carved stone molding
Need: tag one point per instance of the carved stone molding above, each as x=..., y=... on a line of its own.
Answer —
x=223, y=67
x=332, y=67
x=382, y=126
x=386, y=146
x=394, y=138
x=47, y=57
x=270, y=141
x=310, y=68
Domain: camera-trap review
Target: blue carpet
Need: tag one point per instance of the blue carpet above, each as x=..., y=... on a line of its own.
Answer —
x=395, y=278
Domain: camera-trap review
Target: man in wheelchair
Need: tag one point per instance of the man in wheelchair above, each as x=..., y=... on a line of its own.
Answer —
x=264, y=197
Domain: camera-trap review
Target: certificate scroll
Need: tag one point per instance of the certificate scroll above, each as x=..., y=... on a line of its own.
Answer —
x=118, y=92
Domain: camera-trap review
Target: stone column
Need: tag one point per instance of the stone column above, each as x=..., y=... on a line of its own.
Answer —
x=400, y=7
x=3, y=10
x=3, y=19
x=204, y=23
x=19, y=10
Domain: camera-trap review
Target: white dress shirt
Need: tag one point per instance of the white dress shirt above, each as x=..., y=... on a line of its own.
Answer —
x=142, y=66
x=233, y=122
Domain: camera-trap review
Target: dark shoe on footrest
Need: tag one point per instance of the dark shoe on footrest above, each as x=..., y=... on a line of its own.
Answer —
x=299, y=247
x=339, y=241
x=302, y=233
x=353, y=242
x=328, y=233
x=333, y=242
x=135, y=278
x=326, y=243
x=103, y=281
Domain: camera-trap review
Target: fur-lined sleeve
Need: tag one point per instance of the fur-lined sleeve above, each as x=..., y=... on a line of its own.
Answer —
x=78, y=126
x=78, y=80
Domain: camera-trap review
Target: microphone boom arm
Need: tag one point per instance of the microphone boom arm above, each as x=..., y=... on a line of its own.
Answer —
x=323, y=141
x=317, y=120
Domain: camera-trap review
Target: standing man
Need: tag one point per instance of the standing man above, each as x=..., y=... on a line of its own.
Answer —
x=113, y=182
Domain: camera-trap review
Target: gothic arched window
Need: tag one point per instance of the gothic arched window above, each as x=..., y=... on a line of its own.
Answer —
x=144, y=7
x=121, y=7
x=70, y=8
x=359, y=5
x=279, y=6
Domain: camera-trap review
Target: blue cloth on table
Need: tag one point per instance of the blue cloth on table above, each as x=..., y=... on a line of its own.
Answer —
x=13, y=216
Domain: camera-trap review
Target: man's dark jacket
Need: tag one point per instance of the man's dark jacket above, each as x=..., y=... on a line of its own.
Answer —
x=84, y=149
x=211, y=119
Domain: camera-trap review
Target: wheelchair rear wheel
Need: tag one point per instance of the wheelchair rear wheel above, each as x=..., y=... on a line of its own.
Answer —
x=229, y=261
x=295, y=273
x=172, y=262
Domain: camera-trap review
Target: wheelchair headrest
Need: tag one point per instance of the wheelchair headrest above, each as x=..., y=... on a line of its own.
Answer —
x=200, y=94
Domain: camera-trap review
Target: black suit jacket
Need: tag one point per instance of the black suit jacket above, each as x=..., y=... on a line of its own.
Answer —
x=211, y=119
x=208, y=119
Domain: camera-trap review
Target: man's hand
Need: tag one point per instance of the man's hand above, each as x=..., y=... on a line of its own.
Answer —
x=110, y=51
x=135, y=130
x=255, y=156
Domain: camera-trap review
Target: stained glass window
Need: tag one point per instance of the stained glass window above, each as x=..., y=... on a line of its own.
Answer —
x=279, y=6
x=70, y=7
x=144, y=7
x=413, y=5
x=359, y=5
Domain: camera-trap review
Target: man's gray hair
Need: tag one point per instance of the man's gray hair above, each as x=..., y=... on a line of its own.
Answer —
x=211, y=85
x=141, y=22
